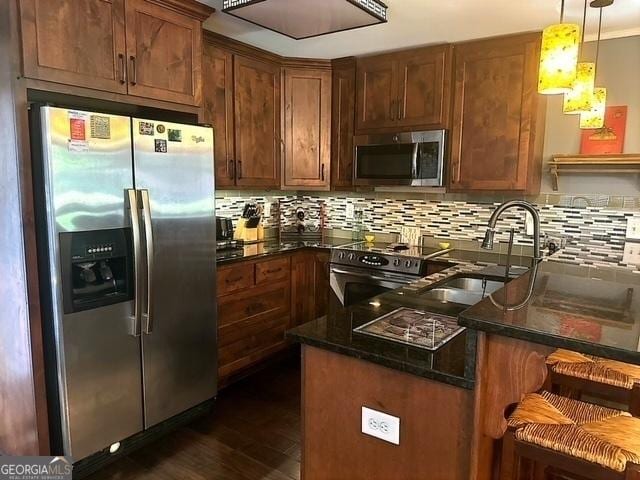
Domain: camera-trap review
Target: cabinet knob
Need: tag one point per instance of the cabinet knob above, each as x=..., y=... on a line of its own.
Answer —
x=322, y=173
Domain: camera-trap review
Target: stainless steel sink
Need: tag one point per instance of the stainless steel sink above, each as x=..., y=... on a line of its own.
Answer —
x=462, y=290
x=474, y=284
x=452, y=295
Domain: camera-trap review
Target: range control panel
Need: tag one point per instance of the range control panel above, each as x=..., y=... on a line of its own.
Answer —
x=379, y=261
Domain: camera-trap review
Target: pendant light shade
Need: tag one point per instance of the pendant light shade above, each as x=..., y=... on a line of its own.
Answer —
x=579, y=98
x=594, y=118
x=558, y=58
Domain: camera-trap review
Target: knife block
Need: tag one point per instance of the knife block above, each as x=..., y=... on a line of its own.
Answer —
x=247, y=234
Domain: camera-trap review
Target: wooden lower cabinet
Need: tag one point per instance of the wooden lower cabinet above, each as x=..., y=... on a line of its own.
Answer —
x=259, y=300
x=309, y=286
x=435, y=422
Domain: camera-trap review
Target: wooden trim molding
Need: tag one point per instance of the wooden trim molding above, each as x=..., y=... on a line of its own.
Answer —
x=240, y=48
x=191, y=8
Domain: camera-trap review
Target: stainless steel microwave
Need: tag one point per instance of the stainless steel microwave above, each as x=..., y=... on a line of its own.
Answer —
x=408, y=158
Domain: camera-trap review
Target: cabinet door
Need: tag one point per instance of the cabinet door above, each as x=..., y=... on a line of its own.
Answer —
x=321, y=283
x=493, y=143
x=75, y=42
x=303, y=303
x=342, y=124
x=257, y=122
x=376, y=93
x=424, y=77
x=307, y=128
x=217, y=102
x=164, y=50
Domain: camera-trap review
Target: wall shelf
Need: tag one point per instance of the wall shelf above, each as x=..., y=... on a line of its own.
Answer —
x=618, y=163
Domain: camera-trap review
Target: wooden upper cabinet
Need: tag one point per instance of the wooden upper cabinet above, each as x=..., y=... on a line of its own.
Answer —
x=257, y=122
x=75, y=42
x=307, y=128
x=498, y=116
x=146, y=48
x=164, y=53
x=377, y=93
x=342, y=122
x=404, y=90
x=217, y=103
x=424, y=87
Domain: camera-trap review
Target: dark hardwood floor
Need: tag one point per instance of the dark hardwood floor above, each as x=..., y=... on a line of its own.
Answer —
x=253, y=433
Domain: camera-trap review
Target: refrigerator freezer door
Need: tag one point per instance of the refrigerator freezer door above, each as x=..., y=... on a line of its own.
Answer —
x=173, y=165
x=86, y=167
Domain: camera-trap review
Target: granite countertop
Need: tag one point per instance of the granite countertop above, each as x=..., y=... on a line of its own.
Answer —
x=593, y=311
x=274, y=247
x=453, y=363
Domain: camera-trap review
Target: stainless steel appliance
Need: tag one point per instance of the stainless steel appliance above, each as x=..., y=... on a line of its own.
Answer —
x=127, y=257
x=362, y=270
x=408, y=158
x=224, y=228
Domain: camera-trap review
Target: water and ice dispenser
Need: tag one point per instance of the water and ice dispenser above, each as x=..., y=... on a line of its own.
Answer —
x=97, y=268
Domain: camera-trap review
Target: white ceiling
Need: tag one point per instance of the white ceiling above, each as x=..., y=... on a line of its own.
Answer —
x=422, y=22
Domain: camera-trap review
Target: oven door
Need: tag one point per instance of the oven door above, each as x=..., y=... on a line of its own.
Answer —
x=410, y=158
x=354, y=285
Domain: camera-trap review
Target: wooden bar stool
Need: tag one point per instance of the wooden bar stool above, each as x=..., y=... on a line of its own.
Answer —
x=551, y=437
x=573, y=374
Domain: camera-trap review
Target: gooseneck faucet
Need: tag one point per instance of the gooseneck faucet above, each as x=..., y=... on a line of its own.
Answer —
x=487, y=243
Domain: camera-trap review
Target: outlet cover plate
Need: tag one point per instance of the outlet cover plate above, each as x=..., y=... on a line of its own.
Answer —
x=633, y=228
x=350, y=210
x=631, y=253
x=381, y=425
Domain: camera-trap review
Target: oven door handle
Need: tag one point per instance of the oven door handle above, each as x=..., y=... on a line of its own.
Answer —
x=371, y=277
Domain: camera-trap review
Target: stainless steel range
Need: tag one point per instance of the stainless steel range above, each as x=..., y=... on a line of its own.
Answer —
x=363, y=270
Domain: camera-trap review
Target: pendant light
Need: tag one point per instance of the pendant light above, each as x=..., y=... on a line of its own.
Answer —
x=579, y=98
x=594, y=118
x=558, y=56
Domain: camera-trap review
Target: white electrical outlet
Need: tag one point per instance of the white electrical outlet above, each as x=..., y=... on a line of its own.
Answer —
x=631, y=253
x=381, y=425
x=633, y=228
x=528, y=221
x=267, y=209
x=350, y=210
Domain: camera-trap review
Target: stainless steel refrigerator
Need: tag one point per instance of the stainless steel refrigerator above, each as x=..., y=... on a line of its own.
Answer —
x=127, y=251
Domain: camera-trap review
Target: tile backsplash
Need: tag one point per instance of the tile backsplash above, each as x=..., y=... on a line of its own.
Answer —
x=595, y=233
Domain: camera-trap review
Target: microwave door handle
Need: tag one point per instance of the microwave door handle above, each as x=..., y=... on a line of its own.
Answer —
x=414, y=160
x=148, y=235
x=132, y=196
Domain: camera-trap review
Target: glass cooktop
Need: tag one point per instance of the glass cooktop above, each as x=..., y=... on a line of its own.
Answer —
x=413, y=327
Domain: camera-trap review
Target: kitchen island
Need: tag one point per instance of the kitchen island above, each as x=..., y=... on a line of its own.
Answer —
x=452, y=402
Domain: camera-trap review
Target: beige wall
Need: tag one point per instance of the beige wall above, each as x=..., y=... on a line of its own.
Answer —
x=619, y=72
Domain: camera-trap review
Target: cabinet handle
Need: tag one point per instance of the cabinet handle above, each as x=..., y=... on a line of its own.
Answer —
x=400, y=116
x=239, y=169
x=275, y=270
x=232, y=280
x=232, y=169
x=121, y=67
x=134, y=71
x=322, y=173
x=392, y=111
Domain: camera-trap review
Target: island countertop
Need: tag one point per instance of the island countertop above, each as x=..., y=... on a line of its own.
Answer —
x=453, y=363
x=592, y=311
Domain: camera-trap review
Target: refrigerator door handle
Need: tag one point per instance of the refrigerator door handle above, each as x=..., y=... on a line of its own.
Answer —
x=148, y=235
x=132, y=196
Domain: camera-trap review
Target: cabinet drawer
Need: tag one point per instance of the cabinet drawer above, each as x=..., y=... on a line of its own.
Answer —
x=260, y=335
x=236, y=277
x=264, y=301
x=273, y=270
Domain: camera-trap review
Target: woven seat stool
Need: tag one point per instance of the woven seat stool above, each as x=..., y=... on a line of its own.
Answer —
x=573, y=374
x=551, y=437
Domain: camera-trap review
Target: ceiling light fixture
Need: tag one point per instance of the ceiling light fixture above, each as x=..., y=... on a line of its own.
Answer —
x=558, y=56
x=579, y=98
x=594, y=118
x=308, y=18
